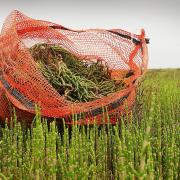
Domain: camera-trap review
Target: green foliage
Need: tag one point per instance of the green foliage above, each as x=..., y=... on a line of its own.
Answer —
x=143, y=145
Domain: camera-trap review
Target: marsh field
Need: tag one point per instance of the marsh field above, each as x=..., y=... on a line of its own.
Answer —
x=143, y=145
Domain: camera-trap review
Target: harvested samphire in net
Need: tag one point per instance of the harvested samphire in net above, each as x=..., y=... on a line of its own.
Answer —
x=75, y=79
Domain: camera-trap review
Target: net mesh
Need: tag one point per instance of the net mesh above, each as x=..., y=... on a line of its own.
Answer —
x=22, y=85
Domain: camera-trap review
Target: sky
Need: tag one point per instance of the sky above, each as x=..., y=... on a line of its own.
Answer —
x=159, y=18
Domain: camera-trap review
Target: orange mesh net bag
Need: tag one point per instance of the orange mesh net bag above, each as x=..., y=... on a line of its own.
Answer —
x=22, y=85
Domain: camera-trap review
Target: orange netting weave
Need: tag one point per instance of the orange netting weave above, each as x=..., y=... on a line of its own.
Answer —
x=22, y=85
